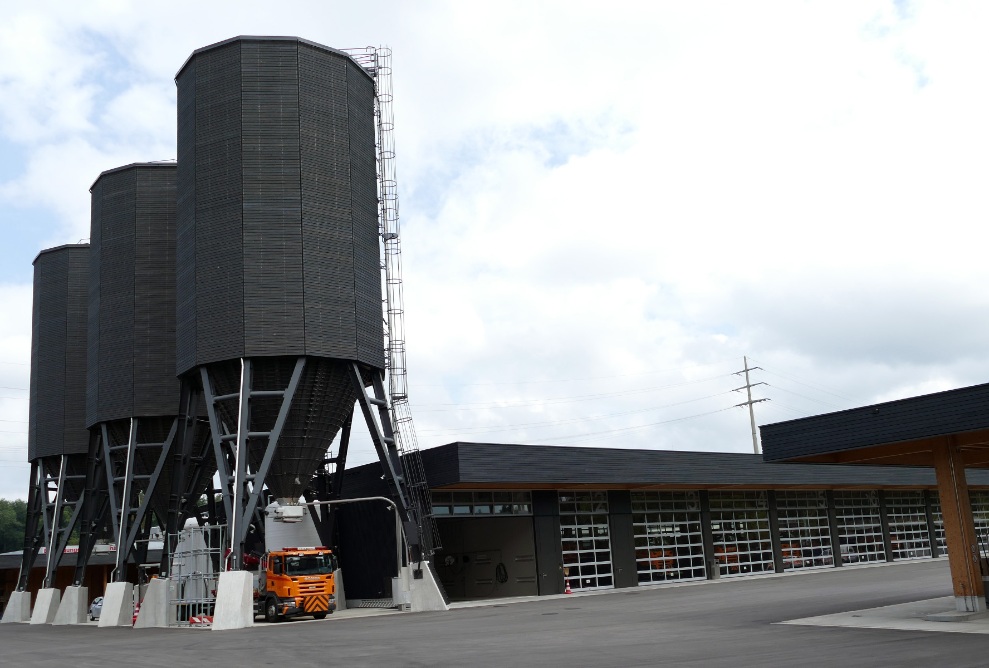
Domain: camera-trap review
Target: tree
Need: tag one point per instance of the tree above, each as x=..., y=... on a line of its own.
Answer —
x=13, y=515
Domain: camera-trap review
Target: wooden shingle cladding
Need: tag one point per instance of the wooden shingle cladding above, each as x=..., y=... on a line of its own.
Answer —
x=512, y=466
x=278, y=251
x=131, y=344
x=902, y=432
x=57, y=413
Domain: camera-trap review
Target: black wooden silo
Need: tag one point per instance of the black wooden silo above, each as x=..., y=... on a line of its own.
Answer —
x=277, y=234
x=57, y=413
x=132, y=384
x=58, y=441
x=131, y=371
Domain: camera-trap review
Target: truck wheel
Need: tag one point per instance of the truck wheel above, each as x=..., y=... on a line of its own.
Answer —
x=319, y=615
x=271, y=611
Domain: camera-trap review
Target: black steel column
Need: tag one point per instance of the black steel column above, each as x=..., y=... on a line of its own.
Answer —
x=549, y=548
x=833, y=528
x=622, y=538
x=707, y=537
x=884, y=521
x=931, y=526
x=774, y=530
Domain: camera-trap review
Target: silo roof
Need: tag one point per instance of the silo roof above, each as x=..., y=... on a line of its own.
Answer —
x=262, y=38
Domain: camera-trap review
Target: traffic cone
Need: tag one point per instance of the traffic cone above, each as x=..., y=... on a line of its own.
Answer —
x=137, y=611
x=567, y=589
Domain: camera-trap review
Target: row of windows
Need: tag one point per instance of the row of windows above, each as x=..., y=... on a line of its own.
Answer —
x=482, y=503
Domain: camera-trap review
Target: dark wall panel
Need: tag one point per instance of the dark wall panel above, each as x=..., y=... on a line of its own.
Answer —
x=132, y=294
x=364, y=202
x=156, y=389
x=116, y=312
x=56, y=422
x=327, y=217
x=185, y=223
x=219, y=206
x=272, y=234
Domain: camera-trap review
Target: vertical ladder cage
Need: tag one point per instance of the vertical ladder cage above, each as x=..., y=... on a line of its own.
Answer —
x=377, y=62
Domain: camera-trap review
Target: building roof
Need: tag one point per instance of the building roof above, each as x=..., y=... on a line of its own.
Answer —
x=505, y=466
x=894, y=432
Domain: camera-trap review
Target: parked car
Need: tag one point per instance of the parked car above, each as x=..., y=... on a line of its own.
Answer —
x=95, y=608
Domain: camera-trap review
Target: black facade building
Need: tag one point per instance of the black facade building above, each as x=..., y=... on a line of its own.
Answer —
x=527, y=520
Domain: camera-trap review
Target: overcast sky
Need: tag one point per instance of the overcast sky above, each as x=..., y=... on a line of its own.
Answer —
x=604, y=206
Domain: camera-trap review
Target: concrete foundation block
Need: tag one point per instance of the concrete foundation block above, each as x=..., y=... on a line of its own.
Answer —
x=154, y=607
x=118, y=605
x=424, y=593
x=45, y=606
x=73, y=608
x=18, y=608
x=340, y=593
x=234, y=601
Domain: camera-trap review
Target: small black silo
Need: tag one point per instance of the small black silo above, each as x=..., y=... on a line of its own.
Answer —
x=131, y=370
x=277, y=236
x=58, y=441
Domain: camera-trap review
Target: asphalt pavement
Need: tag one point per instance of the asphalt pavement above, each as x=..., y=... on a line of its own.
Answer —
x=753, y=621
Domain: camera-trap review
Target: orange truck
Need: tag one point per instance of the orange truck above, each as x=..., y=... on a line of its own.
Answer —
x=296, y=581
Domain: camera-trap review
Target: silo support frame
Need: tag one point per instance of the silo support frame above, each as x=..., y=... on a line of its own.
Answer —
x=383, y=437
x=329, y=488
x=124, y=486
x=130, y=527
x=35, y=525
x=239, y=500
x=95, y=505
x=188, y=470
x=61, y=529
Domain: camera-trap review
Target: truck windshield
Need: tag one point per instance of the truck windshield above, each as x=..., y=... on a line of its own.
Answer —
x=310, y=564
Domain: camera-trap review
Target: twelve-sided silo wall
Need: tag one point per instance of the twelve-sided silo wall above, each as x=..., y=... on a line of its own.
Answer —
x=131, y=370
x=277, y=205
x=57, y=413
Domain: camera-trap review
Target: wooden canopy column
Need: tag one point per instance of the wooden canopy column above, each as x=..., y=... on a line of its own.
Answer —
x=959, y=529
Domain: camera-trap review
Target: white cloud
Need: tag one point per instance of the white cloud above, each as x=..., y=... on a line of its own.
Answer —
x=611, y=206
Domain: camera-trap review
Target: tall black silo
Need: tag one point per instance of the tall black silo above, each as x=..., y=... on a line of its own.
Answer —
x=278, y=266
x=57, y=437
x=133, y=398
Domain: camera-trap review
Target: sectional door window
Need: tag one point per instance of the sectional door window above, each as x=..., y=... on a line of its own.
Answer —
x=586, y=540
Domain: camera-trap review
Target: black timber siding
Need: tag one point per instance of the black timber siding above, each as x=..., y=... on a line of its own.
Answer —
x=57, y=413
x=931, y=415
x=132, y=295
x=494, y=463
x=277, y=215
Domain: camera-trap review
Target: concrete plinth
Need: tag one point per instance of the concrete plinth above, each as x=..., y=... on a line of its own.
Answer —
x=340, y=593
x=72, y=609
x=154, y=607
x=45, y=606
x=118, y=605
x=234, y=601
x=18, y=608
x=417, y=595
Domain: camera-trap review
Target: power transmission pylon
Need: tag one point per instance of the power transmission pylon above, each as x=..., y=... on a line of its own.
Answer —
x=750, y=402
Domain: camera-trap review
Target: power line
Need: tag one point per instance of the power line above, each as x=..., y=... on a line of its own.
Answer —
x=585, y=437
x=550, y=423
x=555, y=400
x=579, y=378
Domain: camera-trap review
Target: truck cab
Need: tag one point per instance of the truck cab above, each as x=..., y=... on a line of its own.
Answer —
x=296, y=581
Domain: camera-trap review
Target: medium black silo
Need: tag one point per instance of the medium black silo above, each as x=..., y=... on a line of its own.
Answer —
x=277, y=255
x=133, y=398
x=131, y=370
